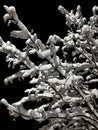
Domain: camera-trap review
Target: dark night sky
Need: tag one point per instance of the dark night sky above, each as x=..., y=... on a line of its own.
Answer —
x=44, y=18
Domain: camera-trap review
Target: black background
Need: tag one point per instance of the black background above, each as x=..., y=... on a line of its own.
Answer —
x=44, y=18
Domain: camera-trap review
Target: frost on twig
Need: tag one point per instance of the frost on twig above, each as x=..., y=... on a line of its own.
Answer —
x=62, y=82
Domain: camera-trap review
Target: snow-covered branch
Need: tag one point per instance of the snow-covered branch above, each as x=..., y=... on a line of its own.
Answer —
x=62, y=82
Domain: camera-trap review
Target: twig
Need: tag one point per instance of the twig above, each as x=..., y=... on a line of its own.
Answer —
x=85, y=99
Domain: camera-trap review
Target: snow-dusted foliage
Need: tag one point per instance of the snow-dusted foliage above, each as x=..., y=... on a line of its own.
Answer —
x=69, y=66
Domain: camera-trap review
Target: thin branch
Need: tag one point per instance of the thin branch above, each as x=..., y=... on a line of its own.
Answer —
x=80, y=92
